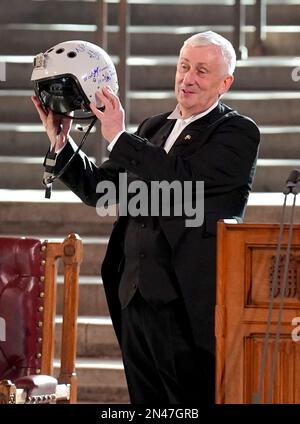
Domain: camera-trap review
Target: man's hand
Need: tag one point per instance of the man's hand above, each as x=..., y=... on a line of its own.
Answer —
x=56, y=126
x=112, y=118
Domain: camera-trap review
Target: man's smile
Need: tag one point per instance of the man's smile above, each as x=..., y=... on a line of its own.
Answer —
x=187, y=91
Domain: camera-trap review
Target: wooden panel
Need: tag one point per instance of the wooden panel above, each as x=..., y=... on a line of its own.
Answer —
x=287, y=377
x=260, y=271
x=245, y=268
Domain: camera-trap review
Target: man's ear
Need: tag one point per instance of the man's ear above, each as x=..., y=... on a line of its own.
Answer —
x=227, y=82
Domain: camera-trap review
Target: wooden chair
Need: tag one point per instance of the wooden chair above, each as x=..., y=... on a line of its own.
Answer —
x=28, y=271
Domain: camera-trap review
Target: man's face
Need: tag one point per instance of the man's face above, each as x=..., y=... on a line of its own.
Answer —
x=200, y=78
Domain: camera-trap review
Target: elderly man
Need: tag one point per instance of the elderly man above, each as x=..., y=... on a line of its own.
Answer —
x=158, y=273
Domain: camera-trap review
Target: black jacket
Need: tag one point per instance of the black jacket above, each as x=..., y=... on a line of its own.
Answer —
x=221, y=150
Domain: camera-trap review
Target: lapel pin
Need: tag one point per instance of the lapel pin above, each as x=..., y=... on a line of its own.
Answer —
x=188, y=137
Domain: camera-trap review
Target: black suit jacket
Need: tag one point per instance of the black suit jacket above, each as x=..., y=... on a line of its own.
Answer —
x=221, y=150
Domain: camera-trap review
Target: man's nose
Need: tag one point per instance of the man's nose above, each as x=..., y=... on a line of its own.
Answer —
x=189, y=77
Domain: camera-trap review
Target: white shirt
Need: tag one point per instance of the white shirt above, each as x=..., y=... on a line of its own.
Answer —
x=179, y=126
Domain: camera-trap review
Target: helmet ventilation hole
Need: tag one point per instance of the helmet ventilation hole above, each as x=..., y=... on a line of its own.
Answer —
x=50, y=50
x=59, y=51
x=72, y=54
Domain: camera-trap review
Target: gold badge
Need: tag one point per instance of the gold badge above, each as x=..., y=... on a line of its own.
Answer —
x=188, y=137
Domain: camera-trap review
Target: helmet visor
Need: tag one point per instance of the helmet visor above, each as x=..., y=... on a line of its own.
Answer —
x=61, y=94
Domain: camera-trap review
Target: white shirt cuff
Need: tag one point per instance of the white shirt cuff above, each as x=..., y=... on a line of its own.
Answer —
x=113, y=142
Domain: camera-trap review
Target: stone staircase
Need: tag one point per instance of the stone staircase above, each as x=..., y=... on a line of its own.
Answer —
x=264, y=89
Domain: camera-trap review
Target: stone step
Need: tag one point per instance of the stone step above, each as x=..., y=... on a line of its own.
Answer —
x=271, y=174
x=281, y=142
x=17, y=218
x=265, y=107
x=263, y=73
x=24, y=173
x=157, y=73
x=25, y=139
x=267, y=208
x=100, y=380
x=92, y=300
x=145, y=12
x=30, y=39
x=95, y=338
x=21, y=172
x=27, y=212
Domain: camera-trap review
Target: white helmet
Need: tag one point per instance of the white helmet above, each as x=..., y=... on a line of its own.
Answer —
x=68, y=75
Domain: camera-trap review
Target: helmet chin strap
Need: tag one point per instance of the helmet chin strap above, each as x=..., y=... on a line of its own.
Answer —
x=50, y=162
x=49, y=176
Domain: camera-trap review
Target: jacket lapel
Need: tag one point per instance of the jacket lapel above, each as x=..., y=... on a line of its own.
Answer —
x=162, y=134
x=196, y=130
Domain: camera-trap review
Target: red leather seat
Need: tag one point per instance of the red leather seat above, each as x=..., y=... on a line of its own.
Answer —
x=21, y=306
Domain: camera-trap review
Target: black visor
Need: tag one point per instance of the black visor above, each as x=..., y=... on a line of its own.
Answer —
x=61, y=94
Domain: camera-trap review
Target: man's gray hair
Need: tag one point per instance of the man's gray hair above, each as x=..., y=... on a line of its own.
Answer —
x=210, y=37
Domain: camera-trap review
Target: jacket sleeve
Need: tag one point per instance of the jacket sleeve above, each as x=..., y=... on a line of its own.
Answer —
x=224, y=163
x=82, y=175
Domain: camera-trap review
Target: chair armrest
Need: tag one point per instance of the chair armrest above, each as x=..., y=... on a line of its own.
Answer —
x=37, y=385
